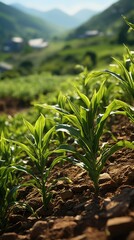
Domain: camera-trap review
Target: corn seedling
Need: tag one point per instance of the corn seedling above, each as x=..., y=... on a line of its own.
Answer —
x=125, y=77
x=8, y=193
x=39, y=151
x=85, y=125
x=131, y=25
x=6, y=152
x=126, y=73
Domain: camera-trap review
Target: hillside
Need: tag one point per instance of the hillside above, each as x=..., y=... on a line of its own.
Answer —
x=59, y=17
x=14, y=22
x=107, y=19
x=84, y=14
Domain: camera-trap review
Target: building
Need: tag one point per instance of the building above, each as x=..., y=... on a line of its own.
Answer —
x=5, y=67
x=15, y=44
x=37, y=43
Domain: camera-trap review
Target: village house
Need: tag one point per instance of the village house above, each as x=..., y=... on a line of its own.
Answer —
x=15, y=44
x=5, y=67
x=90, y=33
x=37, y=43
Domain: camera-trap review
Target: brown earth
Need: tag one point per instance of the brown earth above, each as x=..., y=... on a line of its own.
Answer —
x=10, y=105
x=76, y=213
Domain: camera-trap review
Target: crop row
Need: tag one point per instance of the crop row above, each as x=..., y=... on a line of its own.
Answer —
x=72, y=130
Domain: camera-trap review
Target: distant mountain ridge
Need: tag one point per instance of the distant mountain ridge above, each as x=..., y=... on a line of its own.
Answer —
x=108, y=19
x=14, y=22
x=59, y=17
x=84, y=14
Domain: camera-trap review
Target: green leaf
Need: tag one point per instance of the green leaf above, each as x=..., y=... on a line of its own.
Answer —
x=29, y=126
x=114, y=148
x=74, y=108
x=84, y=98
x=131, y=25
x=96, y=99
x=26, y=149
x=114, y=105
x=93, y=75
x=68, y=129
x=73, y=120
x=39, y=127
x=47, y=137
x=66, y=148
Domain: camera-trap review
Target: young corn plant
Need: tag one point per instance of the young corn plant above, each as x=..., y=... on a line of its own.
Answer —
x=8, y=193
x=39, y=151
x=9, y=184
x=125, y=73
x=86, y=125
x=7, y=155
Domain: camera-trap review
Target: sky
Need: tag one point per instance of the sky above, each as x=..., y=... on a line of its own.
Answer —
x=69, y=6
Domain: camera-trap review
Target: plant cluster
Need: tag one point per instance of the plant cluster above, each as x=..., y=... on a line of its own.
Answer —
x=81, y=118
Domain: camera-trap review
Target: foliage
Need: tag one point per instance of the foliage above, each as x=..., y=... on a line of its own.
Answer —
x=34, y=146
x=8, y=193
x=125, y=74
x=30, y=87
x=85, y=124
x=8, y=180
x=39, y=151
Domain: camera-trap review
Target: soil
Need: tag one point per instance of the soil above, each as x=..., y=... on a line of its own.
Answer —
x=10, y=105
x=76, y=212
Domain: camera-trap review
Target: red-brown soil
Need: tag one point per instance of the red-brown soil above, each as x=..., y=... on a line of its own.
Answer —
x=76, y=213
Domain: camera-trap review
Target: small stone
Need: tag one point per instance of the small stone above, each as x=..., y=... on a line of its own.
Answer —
x=120, y=226
x=38, y=228
x=41, y=237
x=9, y=236
x=21, y=237
x=70, y=213
x=66, y=195
x=82, y=174
x=51, y=222
x=131, y=214
x=40, y=211
x=108, y=185
x=117, y=209
x=62, y=224
x=80, y=189
x=81, y=237
x=60, y=184
x=88, y=206
x=69, y=204
x=104, y=177
x=131, y=236
x=80, y=206
x=78, y=218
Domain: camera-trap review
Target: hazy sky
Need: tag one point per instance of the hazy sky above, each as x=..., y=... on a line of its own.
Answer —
x=70, y=6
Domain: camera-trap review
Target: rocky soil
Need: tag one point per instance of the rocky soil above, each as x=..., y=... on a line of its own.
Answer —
x=76, y=213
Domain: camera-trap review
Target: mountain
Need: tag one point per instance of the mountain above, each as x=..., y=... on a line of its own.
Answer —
x=84, y=15
x=108, y=19
x=16, y=23
x=59, y=17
